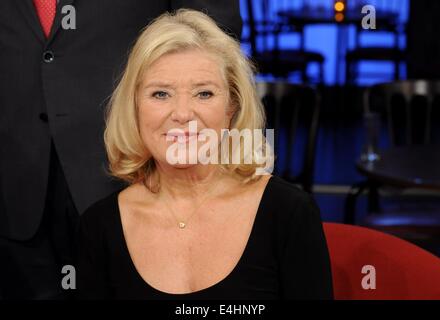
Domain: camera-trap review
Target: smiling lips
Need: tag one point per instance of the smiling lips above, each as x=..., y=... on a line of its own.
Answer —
x=182, y=136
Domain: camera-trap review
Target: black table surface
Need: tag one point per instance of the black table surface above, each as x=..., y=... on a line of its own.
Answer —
x=409, y=166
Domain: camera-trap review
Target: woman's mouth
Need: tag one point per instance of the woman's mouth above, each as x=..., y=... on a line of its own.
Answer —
x=181, y=137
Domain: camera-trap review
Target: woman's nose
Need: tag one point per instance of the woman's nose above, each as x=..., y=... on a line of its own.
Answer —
x=183, y=110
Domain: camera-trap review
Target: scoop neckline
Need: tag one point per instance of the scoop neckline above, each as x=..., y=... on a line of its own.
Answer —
x=237, y=266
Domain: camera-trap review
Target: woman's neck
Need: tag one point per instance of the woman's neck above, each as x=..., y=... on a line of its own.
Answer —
x=188, y=183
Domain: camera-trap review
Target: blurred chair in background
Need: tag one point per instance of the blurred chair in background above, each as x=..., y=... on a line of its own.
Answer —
x=265, y=30
x=410, y=112
x=296, y=109
x=389, y=23
x=371, y=265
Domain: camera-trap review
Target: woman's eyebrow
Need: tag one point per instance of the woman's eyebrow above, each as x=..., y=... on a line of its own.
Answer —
x=205, y=83
x=158, y=84
x=162, y=84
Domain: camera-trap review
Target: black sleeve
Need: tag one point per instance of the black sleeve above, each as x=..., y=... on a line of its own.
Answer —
x=225, y=12
x=90, y=263
x=305, y=263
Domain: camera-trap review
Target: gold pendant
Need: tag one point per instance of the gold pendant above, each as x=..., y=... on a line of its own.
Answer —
x=182, y=225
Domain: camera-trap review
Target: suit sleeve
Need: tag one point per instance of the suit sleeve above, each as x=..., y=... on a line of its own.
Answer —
x=225, y=12
x=305, y=263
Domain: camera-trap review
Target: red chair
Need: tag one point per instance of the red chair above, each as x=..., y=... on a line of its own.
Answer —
x=402, y=270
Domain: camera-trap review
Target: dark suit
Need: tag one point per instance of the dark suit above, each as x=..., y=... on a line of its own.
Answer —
x=53, y=91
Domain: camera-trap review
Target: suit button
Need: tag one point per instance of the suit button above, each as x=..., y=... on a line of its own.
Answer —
x=48, y=56
x=44, y=117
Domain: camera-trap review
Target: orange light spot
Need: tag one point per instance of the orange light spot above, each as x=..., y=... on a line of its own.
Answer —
x=339, y=6
x=339, y=17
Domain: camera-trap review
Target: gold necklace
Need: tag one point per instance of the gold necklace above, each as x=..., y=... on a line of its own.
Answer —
x=182, y=223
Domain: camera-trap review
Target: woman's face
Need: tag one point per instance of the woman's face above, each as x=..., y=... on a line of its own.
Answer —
x=176, y=89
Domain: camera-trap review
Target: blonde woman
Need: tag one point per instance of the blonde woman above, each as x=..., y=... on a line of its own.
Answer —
x=197, y=230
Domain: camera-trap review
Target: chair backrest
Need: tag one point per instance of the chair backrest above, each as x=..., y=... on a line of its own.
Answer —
x=410, y=109
x=297, y=108
x=259, y=23
x=264, y=23
x=371, y=265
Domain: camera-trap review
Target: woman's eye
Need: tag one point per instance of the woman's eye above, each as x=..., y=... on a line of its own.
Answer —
x=205, y=94
x=160, y=94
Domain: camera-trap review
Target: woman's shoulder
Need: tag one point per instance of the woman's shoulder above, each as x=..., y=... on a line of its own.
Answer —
x=286, y=193
x=290, y=202
x=102, y=210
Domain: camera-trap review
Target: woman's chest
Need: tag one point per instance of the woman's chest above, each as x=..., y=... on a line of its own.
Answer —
x=186, y=260
x=210, y=268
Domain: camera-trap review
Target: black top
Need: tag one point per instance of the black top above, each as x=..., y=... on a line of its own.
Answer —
x=285, y=257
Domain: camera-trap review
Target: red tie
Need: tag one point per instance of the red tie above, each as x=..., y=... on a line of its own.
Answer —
x=46, y=12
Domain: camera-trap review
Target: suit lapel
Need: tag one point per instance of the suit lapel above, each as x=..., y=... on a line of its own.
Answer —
x=31, y=17
x=58, y=16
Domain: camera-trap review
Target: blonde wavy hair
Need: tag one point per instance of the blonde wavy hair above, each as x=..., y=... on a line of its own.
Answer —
x=173, y=32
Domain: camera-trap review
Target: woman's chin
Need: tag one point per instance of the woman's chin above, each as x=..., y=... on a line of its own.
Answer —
x=178, y=165
x=183, y=166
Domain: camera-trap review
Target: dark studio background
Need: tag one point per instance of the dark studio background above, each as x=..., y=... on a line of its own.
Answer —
x=341, y=134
